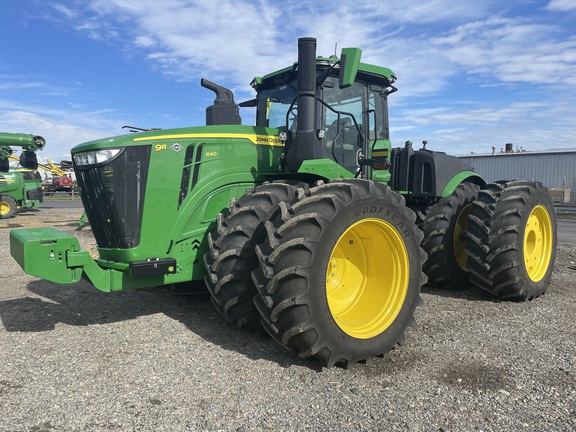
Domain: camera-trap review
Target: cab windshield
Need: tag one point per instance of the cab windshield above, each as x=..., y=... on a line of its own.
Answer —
x=273, y=104
x=351, y=117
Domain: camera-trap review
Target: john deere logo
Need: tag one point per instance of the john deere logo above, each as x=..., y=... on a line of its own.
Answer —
x=176, y=147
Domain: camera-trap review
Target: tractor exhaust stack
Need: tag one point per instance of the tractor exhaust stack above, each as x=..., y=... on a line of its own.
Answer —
x=306, y=145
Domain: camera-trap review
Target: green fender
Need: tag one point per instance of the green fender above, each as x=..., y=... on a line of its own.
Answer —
x=469, y=176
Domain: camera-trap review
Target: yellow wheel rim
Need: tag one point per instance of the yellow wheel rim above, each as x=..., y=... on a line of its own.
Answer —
x=460, y=245
x=367, y=278
x=4, y=208
x=538, y=243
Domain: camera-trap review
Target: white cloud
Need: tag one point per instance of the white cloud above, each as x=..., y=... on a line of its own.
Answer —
x=430, y=11
x=238, y=38
x=60, y=135
x=234, y=40
x=511, y=50
x=144, y=41
x=12, y=85
x=67, y=12
x=192, y=38
x=561, y=5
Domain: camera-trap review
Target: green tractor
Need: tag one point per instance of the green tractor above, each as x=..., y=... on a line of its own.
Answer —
x=309, y=223
x=20, y=188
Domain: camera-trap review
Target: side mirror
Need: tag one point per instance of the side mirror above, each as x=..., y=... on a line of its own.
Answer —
x=349, y=64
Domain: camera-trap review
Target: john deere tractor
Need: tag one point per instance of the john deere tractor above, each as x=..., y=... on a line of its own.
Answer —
x=19, y=187
x=309, y=223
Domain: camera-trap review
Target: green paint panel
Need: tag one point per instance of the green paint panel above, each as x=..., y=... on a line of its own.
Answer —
x=349, y=64
x=470, y=176
x=12, y=183
x=26, y=141
x=222, y=163
x=42, y=252
x=325, y=168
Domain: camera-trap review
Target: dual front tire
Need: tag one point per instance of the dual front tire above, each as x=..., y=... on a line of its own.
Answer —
x=338, y=271
x=231, y=257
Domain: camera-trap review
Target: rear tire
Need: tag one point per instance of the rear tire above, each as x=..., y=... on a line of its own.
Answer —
x=232, y=258
x=340, y=273
x=512, y=239
x=442, y=224
x=8, y=207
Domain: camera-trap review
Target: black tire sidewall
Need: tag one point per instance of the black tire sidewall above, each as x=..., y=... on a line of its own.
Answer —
x=496, y=239
x=460, y=205
x=241, y=288
x=442, y=266
x=361, y=209
x=13, y=206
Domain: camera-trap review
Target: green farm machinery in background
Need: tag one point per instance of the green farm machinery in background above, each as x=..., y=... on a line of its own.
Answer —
x=20, y=188
x=310, y=223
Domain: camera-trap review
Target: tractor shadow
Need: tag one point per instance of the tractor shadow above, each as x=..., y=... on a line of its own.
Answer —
x=47, y=304
x=82, y=305
x=468, y=292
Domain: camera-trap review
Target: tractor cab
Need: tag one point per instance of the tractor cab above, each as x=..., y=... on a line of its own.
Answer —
x=339, y=112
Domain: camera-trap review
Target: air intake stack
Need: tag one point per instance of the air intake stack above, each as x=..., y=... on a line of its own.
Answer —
x=224, y=111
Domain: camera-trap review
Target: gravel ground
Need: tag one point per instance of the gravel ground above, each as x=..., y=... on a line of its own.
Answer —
x=75, y=359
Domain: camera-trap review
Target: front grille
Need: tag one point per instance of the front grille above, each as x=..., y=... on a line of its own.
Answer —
x=113, y=196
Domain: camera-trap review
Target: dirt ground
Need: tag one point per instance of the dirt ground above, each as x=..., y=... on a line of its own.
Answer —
x=73, y=358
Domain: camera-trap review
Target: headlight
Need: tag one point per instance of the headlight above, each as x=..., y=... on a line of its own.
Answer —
x=95, y=156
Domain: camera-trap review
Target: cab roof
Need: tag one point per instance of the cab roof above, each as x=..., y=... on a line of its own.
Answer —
x=366, y=71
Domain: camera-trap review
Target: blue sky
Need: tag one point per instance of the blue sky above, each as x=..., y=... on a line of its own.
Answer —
x=471, y=75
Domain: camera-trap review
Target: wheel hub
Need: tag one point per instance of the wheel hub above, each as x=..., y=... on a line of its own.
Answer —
x=367, y=278
x=538, y=243
x=4, y=208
